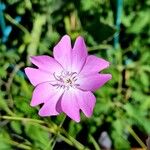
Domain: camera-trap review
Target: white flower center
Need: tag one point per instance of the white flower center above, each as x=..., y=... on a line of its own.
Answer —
x=66, y=80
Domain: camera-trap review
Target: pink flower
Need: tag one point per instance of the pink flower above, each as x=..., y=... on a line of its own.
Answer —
x=65, y=83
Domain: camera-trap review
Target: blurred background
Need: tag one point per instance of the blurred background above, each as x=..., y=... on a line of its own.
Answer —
x=117, y=30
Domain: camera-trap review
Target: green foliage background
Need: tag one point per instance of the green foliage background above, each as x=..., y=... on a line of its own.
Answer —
x=123, y=104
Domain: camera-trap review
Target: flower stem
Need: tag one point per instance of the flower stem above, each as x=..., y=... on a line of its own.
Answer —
x=14, y=22
x=76, y=143
x=22, y=119
x=10, y=81
x=19, y=145
x=55, y=137
x=95, y=144
x=131, y=131
x=52, y=128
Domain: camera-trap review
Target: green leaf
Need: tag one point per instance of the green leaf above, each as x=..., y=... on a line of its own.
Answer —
x=119, y=136
x=16, y=126
x=141, y=20
x=40, y=137
x=74, y=128
x=4, y=137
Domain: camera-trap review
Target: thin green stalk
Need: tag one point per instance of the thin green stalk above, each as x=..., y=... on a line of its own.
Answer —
x=13, y=21
x=52, y=129
x=18, y=145
x=95, y=144
x=131, y=131
x=120, y=69
x=65, y=140
x=102, y=46
x=55, y=137
x=48, y=129
x=22, y=119
x=76, y=143
x=10, y=81
x=68, y=139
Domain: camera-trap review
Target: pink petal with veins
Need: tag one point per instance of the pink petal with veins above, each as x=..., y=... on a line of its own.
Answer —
x=62, y=52
x=79, y=54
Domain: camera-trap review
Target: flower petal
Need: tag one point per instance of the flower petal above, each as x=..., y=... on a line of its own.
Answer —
x=37, y=76
x=86, y=101
x=69, y=105
x=93, y=82
x=46, y=63
x=94, y=65
x=62, y=52
x=42, y=93
x=79, y=54
x=50, y=107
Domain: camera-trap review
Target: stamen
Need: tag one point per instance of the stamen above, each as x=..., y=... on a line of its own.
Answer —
x=65, y=80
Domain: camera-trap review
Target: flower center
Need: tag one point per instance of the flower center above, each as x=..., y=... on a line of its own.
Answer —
x=65, y=80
